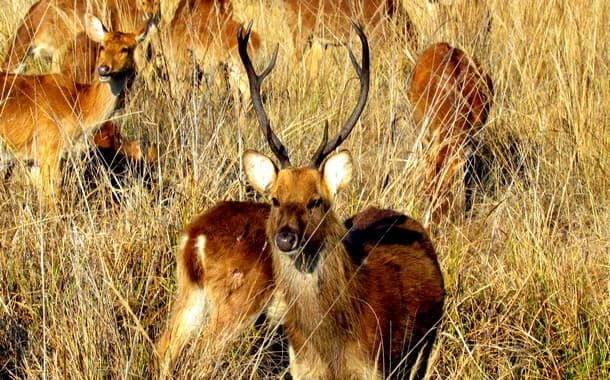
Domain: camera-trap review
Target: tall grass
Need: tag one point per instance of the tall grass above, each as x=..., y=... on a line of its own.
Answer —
x=86, y=289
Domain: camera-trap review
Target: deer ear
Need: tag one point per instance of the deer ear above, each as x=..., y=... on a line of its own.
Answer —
x=94, y=27
x=145, y=28
x=337, y=171
x=260, y=170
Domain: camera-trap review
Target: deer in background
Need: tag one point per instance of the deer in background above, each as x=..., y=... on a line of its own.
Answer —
x=451, y=96
x=354, y=307
x=42, y=116
x=199, y=39
x=117, y=161
x=317, y=24
x=49, y=26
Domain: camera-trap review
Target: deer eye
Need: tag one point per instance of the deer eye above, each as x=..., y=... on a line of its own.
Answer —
x=125, y=50
x=275, y=202
x=314, y=203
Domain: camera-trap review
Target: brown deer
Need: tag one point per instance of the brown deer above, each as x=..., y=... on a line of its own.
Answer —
x=451, y=96
x=355, y=307
x=317, y=24
x=50, y=25
x=199, y=39
x=117, y=161
x=42, y=116
x=311, y=16
x=224, y=276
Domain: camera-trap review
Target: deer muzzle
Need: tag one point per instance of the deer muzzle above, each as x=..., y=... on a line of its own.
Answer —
x=287, y=240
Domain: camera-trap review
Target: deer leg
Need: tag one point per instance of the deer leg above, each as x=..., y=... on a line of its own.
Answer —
x=188, y=316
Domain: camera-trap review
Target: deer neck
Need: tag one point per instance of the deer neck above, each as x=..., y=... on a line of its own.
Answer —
x=99, y=100
x=321, y=303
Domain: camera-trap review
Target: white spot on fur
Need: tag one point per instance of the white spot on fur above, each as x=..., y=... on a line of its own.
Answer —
x=200, y=248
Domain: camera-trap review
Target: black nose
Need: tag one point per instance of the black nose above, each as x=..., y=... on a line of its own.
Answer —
x=103, y=70
x=286, y=239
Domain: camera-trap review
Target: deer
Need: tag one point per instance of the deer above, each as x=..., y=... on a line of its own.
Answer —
x=451, y=97
x=118, y=159
x=42, y=116
x=50, y=25
x=199, y=38
x=358, y=303
x=317, y=24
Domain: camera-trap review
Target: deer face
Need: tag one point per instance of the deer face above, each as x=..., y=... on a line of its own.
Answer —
x=301, y=200
x=115, y=57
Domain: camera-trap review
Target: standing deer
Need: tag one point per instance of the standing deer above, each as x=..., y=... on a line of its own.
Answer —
x=49, y=26
x=364, y=309
x=318, y=23
x=201, y=37
x=452, y=97
x=42, y=116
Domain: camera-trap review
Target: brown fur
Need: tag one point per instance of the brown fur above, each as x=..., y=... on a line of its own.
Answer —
x=201, y=36
x=116, y=161
x=223, y=275
x=50, y=25
x=315, y=23
x=43, y=116
x=350, y=317
x=450, y=92
x=79, y=61
x=206, y=29
x=109, y=137
x=310, y=16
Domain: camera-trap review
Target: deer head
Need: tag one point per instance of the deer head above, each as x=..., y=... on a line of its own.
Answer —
x=301, y=220
x=115, y=59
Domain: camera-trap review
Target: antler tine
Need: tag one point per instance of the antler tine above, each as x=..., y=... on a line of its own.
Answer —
x=364, y=75
x=255, y=81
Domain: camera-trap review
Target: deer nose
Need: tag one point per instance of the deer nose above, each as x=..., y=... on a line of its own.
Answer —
x=103, y=70
x=286, y=239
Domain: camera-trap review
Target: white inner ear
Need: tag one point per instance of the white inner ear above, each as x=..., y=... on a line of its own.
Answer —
x=337, y=171
x=260, y=170
x=94, y=28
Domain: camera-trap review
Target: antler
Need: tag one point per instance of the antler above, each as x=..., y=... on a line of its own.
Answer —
x=363, y=74
x=255, y=93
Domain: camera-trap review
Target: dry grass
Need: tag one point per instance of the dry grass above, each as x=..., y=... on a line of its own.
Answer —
x=86, y=289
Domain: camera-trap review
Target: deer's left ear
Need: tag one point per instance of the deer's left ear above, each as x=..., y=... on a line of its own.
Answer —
x=337, y=171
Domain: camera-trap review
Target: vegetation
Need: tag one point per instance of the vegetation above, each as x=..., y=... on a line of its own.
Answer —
x=85, y=289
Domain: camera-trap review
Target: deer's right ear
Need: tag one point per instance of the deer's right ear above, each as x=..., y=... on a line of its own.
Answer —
x=94, y=28
x=260, y=170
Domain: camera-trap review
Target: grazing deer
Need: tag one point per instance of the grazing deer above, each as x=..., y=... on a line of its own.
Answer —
x=42, y=116
x=355, y=308
x=224, y=276
x=50, y=25
x=452, y=97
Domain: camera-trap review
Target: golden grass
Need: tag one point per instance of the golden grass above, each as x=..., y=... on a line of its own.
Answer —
x=86, y=289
